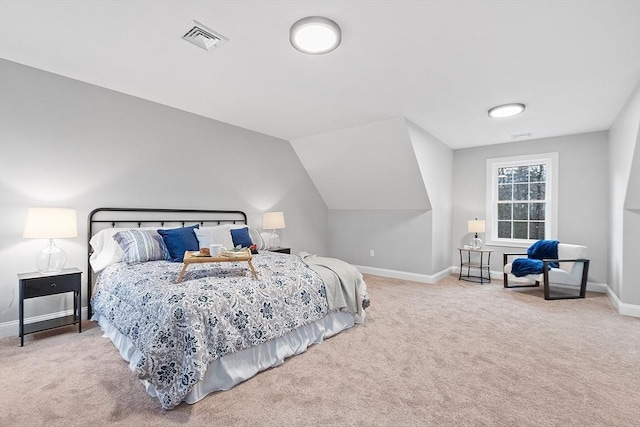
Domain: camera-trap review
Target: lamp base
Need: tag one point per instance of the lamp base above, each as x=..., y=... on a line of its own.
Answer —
x=51, y=259
x=476, y=243
x=274, y=241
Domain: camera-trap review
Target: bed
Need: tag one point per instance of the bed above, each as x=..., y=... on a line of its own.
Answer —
x=219, y=326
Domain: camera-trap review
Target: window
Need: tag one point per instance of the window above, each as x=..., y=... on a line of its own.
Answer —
x=521, y=199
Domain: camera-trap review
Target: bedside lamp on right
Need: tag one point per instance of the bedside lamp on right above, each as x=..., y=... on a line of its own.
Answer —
x=476, y=226
x=273, y=221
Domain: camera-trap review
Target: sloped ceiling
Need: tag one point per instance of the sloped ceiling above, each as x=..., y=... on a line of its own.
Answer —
x=365, y=167
x=440, y=64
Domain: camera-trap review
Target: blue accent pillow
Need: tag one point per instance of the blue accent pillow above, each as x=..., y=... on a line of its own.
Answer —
x=180, y=240
x=240, y=236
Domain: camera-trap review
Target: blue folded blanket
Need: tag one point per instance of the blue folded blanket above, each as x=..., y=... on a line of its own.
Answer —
x=523, y=266
x=542, y=249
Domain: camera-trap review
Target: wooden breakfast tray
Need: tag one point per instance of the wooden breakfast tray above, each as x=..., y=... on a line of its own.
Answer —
x=190, y=258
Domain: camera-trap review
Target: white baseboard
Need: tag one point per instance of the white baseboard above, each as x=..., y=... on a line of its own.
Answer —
x=404, y=275
x=11, y=328
x=623, y=308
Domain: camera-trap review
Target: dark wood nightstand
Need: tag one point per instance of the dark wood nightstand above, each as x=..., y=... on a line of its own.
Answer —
x=280, y=250
x=33, y=285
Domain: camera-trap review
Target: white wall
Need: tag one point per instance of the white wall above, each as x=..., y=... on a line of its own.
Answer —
x=624, y=214
x=582, y=198
x=64, y=143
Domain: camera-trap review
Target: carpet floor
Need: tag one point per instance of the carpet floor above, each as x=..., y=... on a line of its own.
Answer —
x=445, y=354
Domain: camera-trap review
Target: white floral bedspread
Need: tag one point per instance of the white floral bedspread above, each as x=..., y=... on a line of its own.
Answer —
x=217, y=309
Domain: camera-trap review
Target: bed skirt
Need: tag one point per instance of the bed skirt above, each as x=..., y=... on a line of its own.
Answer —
x=232, y=369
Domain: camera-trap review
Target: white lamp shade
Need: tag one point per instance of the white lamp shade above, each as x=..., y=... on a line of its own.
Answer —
x=51, y=223
x=272, y=221
x=475, y=226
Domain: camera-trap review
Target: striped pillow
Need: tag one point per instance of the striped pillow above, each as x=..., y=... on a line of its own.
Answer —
x=141, y=246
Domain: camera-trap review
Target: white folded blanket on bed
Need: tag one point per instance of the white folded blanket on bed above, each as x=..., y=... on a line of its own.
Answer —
x=341, y=281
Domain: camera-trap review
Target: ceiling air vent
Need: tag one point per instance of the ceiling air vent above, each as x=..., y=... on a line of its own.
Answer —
x=522, y=135
x=203, y=37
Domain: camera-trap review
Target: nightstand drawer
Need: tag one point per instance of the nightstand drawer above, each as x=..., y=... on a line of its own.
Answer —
x=38, y=287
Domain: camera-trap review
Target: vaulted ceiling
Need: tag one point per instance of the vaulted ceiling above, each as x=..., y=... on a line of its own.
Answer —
x=441, y=64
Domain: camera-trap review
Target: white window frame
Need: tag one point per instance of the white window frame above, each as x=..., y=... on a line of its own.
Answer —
x=550, y=160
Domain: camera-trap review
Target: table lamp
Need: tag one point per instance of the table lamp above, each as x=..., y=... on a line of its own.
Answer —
x=273, y=221
x=51, y=223
x=476, y=226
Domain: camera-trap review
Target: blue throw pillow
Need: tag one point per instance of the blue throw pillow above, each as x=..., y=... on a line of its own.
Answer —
x=180, y=240
x=240, y=236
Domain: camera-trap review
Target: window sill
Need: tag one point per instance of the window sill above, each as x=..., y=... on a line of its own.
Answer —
x=513, y=244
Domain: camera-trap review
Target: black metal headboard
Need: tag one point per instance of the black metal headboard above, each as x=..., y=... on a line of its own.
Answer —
x=102, y=218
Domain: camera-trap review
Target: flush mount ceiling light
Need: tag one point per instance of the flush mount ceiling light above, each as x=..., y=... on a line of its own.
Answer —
x=315, y=35
x=506, y=110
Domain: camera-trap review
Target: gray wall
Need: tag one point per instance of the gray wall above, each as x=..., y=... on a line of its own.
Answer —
x=435, y=160
x=400, y=238
x=624, y=204
x=69, y=144
x=388, y=188
x=372, y=166
x=64, y=143
x=375, y=188
x=582, y=198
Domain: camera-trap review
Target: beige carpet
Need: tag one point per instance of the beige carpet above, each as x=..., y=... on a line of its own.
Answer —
x=448, y=354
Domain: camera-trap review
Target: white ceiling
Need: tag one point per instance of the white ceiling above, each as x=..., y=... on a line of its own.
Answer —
x=441, y=64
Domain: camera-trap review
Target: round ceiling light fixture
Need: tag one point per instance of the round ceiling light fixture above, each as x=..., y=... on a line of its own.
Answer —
x=315, y=35
x=506, y=110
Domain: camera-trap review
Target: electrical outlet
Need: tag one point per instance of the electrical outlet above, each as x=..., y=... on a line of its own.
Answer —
x=372, y=253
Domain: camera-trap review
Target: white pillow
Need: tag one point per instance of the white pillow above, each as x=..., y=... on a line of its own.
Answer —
x=218, y=234
x=221, y=234
x=106, y=250
x=256, y=238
